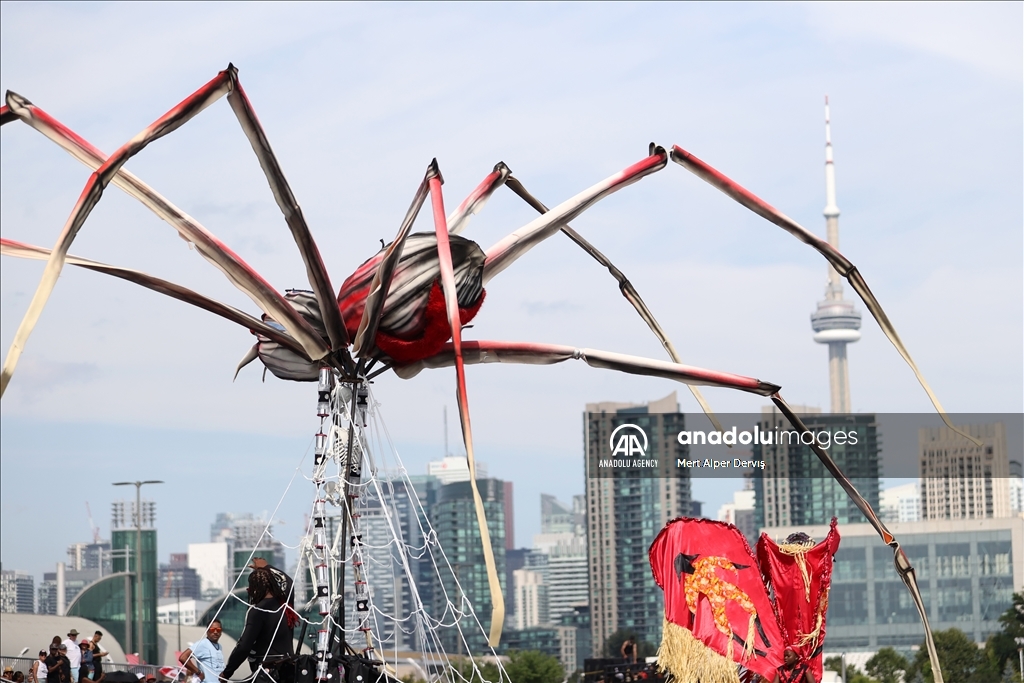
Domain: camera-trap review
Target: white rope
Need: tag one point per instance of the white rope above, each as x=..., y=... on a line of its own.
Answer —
x=386, y=558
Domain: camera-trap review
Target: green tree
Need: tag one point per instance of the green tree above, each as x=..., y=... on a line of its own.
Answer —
x=1001, y=647
x=834, y=663
x=465, y=666
x=853, y=674
x=531, y=666
x=887, y=666
x=959, y=657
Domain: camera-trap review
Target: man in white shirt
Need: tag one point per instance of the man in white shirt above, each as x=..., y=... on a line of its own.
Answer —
x=74, y=653
x=205, y=659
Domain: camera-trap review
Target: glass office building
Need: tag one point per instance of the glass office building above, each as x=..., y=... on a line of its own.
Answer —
x=624, y=514
x=123, y=542
x=795, y=489
x=454, y=520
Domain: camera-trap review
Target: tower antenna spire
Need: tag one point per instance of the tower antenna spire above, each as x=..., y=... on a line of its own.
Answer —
x=836, y=322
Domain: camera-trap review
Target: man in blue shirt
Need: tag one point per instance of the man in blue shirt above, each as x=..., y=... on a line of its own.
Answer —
x=205, y=659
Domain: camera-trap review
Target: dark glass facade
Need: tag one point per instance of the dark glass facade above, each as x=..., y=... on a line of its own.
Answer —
x=110, y=602
x=454, y=519
x=125, y=540
x=795, y=489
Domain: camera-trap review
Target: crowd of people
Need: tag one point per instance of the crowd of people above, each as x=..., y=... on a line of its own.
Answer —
x=65, y=661
x=266, y=642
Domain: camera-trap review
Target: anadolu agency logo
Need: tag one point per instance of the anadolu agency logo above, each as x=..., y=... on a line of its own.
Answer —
x=626, y=441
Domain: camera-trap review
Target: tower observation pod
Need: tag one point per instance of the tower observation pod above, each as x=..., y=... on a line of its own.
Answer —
x=836, y=322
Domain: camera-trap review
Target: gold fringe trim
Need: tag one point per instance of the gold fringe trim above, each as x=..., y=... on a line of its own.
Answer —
x=748, y=649
x=690, y=661
x=813, y=636
x=797, y=551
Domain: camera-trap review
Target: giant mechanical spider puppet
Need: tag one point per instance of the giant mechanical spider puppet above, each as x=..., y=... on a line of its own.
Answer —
x=404, y=308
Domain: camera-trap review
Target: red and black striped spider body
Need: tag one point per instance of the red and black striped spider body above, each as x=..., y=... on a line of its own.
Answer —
x=413, y=324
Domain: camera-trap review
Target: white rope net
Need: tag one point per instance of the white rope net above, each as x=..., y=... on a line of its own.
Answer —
x=371, y=547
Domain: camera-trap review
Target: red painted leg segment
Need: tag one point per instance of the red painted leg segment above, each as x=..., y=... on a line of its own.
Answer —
x=444, y=255
x=316, y=272
x=209, y=247
x=625, y=286
x=759, y=206
x=505, y=252
x=529, y=353
x=94, y=188
x=842, y=265
x=381, y=282
x=472, y=204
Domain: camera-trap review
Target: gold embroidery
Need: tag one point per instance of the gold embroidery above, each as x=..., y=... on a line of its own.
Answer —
x=719, y=592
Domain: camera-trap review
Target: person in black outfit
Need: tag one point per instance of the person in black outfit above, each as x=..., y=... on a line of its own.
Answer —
x=629, y=650
x=98, y=653
x=266, y=640
x=58, y=667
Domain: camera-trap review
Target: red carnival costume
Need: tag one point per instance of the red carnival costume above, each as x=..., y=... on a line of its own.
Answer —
x=718, y=613
x=800, y=573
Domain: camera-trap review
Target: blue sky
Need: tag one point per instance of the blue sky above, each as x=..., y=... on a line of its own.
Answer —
x=117, y=383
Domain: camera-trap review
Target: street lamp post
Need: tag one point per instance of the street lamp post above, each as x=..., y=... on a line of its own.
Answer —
x=138, y=558
x=1020, y=656
x=177, y=592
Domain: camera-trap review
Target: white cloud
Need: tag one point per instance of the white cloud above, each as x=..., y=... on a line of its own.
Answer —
x=985, y=35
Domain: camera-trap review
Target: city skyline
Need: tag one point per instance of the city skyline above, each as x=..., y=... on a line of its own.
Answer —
x=126, y=400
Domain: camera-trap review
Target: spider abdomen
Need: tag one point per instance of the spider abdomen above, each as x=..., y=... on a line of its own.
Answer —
x=413, y=324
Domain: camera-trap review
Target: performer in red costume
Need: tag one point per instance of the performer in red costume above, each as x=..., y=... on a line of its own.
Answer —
x=794, y=669
x=800, y=574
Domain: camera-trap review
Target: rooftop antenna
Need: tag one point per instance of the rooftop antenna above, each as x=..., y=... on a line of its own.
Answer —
x=446, y=454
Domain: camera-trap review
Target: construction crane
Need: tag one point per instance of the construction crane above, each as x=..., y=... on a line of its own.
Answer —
x=92, y=525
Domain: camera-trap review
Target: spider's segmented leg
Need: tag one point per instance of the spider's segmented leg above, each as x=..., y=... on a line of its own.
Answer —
x=444, y=257
x=530, y=353
x=472, y=204
x=175, y=291
x=319, y=280
x=903, y=566
x=381, y=283
x=90, y=196
x=505, y=252
x=109, y=170
x=238, y=272
x=625, y=286
x=843, y=265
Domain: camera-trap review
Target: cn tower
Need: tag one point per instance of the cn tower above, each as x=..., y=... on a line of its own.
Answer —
x=836, y=322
